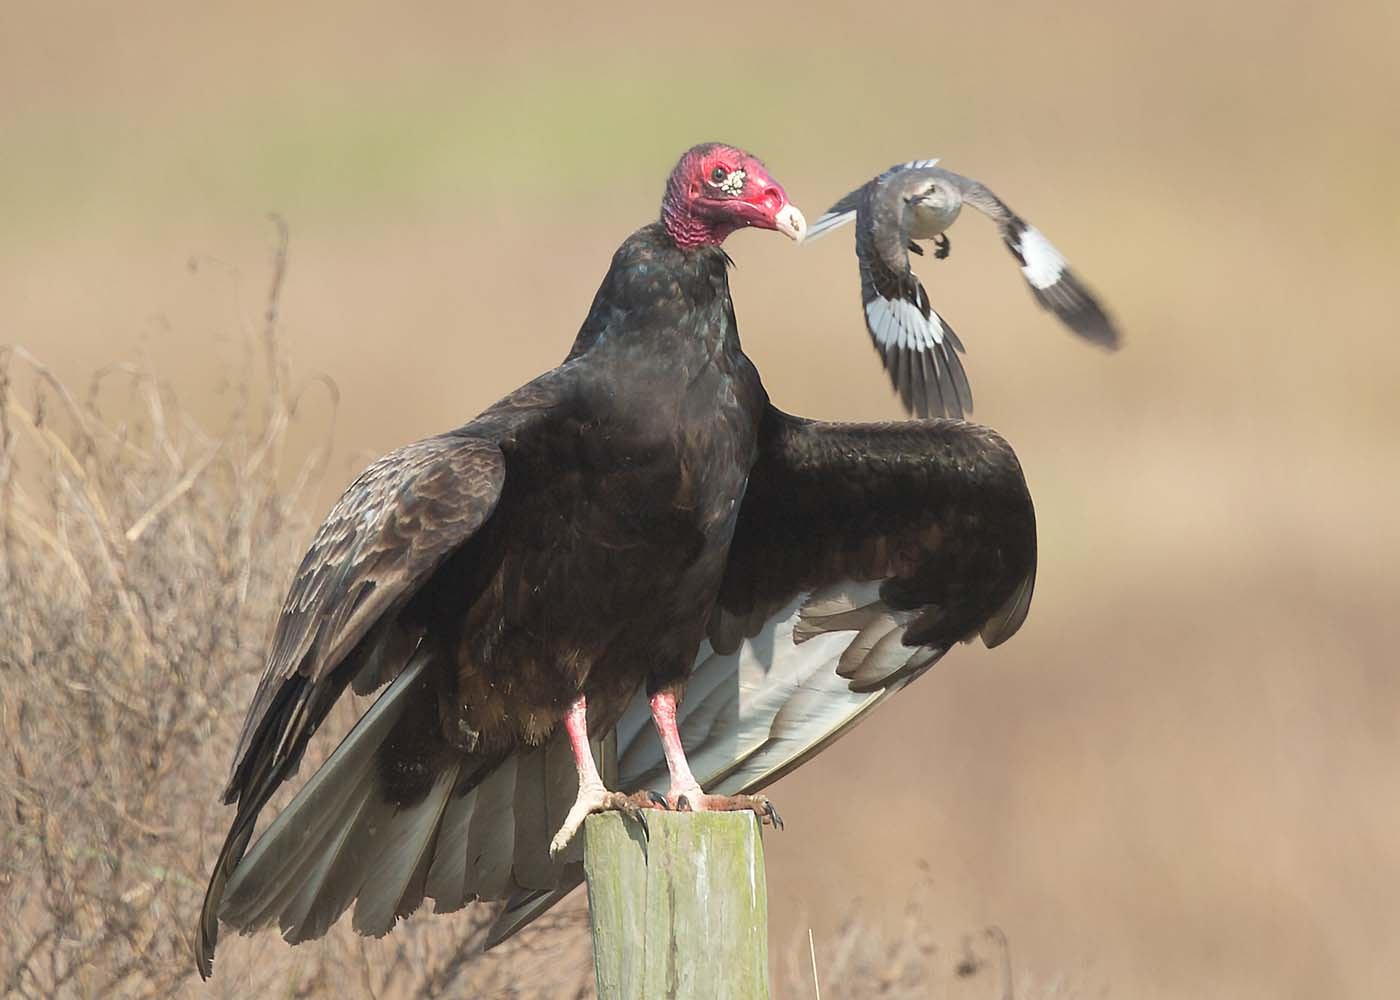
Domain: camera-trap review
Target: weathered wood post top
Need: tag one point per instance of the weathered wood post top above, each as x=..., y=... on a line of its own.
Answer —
x=680, y=912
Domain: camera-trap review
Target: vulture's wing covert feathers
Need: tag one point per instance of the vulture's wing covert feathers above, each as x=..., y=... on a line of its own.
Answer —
x=863, y=553
x=392, y=528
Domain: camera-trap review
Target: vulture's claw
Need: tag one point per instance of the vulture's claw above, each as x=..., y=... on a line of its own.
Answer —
x=654, y=800
x=594, y=799
x=757, y=804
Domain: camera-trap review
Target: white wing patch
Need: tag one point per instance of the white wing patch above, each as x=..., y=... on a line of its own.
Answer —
x=1043, y=263
x=899, y=323
x=915, y=165
x=750, y=715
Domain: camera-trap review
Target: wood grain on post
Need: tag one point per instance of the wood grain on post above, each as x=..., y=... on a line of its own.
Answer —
x=682, y=913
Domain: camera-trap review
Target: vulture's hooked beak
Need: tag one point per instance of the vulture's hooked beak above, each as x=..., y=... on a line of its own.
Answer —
x=791, y=223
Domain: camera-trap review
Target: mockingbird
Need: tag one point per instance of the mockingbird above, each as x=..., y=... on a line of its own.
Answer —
x=919, y=201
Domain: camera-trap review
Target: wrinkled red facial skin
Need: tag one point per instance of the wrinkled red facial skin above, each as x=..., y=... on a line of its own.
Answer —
x=699, y=211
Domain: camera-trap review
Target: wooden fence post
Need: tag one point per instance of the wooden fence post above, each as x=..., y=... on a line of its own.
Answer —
x=681, y=913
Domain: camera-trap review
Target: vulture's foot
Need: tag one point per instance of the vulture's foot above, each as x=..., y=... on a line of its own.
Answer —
x=594, y=799
x=942, y=246
x=697, y=801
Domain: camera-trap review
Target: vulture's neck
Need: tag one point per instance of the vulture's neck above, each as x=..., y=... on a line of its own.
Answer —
x=662, y=300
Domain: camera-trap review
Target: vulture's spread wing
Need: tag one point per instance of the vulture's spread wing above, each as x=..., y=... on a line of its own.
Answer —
x=863, y=552
x=919, y=350
x=393, y=527
x=1051, y=281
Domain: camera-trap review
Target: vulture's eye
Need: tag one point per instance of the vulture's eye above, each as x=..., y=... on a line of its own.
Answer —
x=718, y=175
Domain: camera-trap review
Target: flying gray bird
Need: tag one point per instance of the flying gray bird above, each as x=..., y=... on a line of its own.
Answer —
x=919, y=201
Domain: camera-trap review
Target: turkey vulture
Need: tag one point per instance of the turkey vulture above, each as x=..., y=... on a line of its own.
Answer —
x=635, y=525
x=919, y=201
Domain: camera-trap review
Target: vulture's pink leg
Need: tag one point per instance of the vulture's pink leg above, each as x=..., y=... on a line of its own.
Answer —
x=576, y=723
x=685, y=790
x=592, y=795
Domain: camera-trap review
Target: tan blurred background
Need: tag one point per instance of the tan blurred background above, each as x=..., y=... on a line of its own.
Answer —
x=1182, y=779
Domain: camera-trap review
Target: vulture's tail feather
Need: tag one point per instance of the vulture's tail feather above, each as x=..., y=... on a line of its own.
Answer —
x=287, y=868
x=491, y=834
x=400, y=867
x=528, y=904
x=341, y=839
x=447, y=875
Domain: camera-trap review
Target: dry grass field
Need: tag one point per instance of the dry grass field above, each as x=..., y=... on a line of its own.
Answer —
x=1181, y=779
